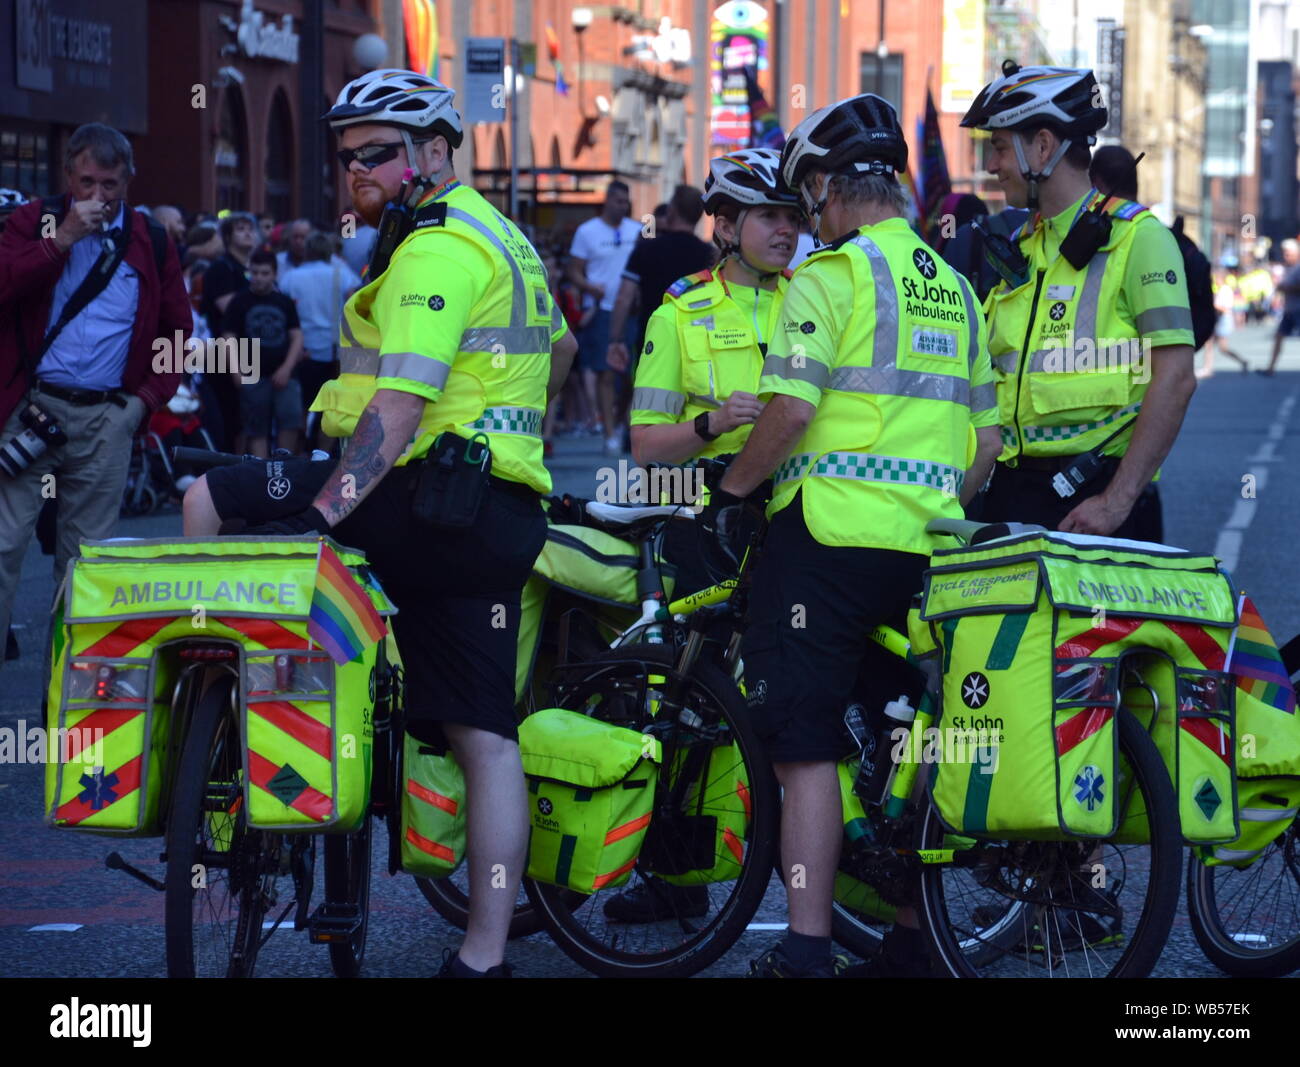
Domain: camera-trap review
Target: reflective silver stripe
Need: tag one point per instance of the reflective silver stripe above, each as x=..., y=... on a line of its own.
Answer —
x=646, y=399
x=557, y=319
x=1085, y=318
x=884, y=377
x=358, y=360
x=1064, y=433
x=972, y=322
x=889, y=381
x=705, y=401
x=525, y=421
x=812, y=371
x=1171, y=317
x=347, y=330
x=1231, y=854
x=866, y=467
x=414, y=368
x=506, y=340
x=1268, y=814
x=983, y=397
x=519, y=301
x=1007, y=362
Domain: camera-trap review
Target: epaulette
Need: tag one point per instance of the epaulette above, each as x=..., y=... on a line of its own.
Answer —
x=1116, y=208
x=690, y=281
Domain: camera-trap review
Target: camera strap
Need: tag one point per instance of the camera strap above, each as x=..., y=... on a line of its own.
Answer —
x=110, y=258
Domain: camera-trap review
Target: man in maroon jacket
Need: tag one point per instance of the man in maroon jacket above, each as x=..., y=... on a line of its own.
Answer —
x=101, y=374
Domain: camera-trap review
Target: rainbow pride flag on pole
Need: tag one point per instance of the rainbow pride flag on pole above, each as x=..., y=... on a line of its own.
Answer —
x=343, y=621
x=1256, y=663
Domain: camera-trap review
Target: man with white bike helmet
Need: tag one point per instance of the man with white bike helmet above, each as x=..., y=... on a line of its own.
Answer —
x=879, y=417
x=445, y=353
x=1090, y=332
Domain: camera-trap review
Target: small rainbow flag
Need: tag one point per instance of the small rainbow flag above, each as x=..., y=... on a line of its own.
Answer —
x=1257, y=664
x=343, y=621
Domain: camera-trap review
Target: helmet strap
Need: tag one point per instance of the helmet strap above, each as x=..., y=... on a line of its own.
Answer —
x=813, y=209
x=1033, y=178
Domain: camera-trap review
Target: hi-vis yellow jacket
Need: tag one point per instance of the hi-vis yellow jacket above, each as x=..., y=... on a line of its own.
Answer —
x=463, y=317
x=887, y=341
x=1071, y=348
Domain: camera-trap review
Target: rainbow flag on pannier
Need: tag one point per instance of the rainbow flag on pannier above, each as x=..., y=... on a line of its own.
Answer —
x=1257, y=664
x=343, y=621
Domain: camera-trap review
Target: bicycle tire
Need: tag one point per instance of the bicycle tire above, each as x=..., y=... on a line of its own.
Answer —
x=1140, y=768
x=579, y=927
x=208, y=839
x=1212, y=893
x=450, y=901
x=347, y=881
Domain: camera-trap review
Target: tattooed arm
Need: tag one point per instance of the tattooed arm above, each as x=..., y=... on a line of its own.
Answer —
x=384, y=429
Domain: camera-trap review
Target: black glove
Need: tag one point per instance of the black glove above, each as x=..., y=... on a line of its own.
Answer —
x=567, y=510
x=308, y=521
x=719, y=525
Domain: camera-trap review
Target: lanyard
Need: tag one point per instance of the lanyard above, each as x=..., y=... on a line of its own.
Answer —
x=771, y=311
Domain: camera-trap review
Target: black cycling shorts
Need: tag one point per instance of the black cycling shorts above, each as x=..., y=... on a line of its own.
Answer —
x=1018, y=495
x=456, y=591
x=806, y=645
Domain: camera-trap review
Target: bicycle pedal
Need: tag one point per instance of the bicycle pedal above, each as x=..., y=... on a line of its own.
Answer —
x=334, y=923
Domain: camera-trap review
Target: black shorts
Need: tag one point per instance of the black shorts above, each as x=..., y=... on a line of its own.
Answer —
x=806, y=646
x=456, y=591
x=1017, y=495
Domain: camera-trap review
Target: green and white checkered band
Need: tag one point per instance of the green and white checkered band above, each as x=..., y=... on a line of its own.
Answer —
x=509, y=420
x=1065, y=433
x=866, y=467
x=1009, y=435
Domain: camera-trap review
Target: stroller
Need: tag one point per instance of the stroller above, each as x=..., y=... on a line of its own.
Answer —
x=152, y=479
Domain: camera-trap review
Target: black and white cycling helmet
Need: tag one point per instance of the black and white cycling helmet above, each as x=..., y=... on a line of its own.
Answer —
x=401, y=98
x=1064, y=99
x=747, y=178
x=860, y=135
x=10, y=199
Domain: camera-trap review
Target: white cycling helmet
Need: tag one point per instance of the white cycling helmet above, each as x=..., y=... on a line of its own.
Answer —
x=1064, y=99
x=748, y=178
x=402, y=98
x=10, y=199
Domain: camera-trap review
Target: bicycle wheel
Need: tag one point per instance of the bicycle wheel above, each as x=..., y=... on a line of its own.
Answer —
x=449, y=899
x=221, y=875
x=1081, y=909
x=699, y=923
x=1248, y=921
x=347, y=881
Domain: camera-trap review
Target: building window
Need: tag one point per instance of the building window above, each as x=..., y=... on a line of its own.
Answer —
x=231, y=153
x=884, y=77
x=25, y=162
x=279, y=160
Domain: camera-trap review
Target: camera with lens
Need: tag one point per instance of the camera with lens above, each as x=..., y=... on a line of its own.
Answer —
x=41, y=432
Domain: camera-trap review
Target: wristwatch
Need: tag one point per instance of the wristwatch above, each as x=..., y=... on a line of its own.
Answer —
x=702, y=427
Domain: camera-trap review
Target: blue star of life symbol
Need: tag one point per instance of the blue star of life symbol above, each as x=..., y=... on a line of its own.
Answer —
x=1089, y=785
x=98, y=791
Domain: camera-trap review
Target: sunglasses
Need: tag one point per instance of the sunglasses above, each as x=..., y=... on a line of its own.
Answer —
x=371, y=156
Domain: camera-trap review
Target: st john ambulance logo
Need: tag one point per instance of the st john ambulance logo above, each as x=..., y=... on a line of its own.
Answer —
x=544, y=806
x=924, y=263
x=1058, y=311
x=436, y=303
x=974, y=690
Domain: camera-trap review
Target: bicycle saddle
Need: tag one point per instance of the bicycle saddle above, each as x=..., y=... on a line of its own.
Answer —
x=631, y=514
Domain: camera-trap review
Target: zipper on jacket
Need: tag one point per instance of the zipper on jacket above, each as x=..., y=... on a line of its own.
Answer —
x=1024, y=359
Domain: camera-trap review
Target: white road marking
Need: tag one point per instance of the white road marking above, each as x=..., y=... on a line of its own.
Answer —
x=767, y=926
x=55, y=928
x=1232, y=534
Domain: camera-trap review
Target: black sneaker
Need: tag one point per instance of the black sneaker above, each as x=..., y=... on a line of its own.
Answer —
x=902, y=955
x=773, y=964
x=654, y=900
x=452, y=967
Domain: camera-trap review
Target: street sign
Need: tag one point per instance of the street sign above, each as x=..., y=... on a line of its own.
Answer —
x=483, y=85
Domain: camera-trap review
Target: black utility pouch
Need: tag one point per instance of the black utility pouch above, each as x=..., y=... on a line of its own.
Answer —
x=452, y=482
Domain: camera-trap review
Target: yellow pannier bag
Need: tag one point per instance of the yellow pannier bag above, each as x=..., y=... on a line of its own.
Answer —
x=433, y=811
x=125, y=610
x=1040, y=636
x=591, y=790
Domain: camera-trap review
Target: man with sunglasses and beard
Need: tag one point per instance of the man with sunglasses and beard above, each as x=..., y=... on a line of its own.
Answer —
x=455, y=335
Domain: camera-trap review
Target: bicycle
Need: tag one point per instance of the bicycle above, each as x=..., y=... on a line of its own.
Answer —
x=1033, y=905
